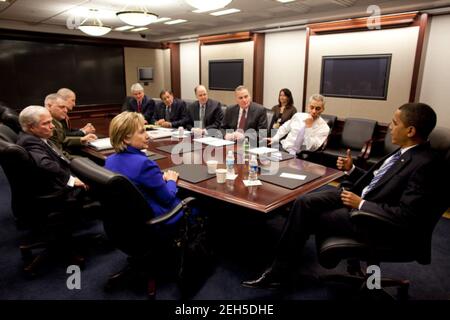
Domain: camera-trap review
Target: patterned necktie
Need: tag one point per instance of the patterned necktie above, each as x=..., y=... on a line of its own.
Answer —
x=202, y=115
x=167, y=114
x=139, y=109
x=381, y=172
x=243, y=120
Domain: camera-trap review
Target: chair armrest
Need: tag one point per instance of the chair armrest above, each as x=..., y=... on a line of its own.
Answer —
x=371, y=219
x=367, y=149
x=163, y=218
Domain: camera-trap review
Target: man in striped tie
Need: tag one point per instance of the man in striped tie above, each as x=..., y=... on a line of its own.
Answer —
x=404, y=187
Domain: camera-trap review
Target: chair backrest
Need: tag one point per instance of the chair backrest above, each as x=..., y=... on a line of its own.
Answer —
x=357, y=132
x=19, y=170
x=7, y=134
x=126, y=209
x=10, y=118
x=269, y=114
x=330, y=120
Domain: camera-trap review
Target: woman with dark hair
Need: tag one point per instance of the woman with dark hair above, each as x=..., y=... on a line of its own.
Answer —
x=284, y=110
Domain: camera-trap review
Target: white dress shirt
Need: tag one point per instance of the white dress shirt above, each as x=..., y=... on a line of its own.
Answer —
x=314, y=136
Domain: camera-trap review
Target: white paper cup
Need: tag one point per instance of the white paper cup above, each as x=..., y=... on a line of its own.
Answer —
x=212, y=166
x=221, y=175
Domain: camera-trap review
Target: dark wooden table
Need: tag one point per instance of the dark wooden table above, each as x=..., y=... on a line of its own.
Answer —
x=263, y=198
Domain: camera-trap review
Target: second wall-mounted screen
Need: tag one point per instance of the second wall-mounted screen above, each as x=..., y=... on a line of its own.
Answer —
x=361, y=77
x=226, y=74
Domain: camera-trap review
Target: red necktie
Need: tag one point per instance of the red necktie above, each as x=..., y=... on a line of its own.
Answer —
x=243, y=120
x=139, y=107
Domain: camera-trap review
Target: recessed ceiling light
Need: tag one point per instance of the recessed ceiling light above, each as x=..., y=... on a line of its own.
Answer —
x=224, y=12
x=175, y=21
x=123, y=28
x=139, y=29
x=285, y=1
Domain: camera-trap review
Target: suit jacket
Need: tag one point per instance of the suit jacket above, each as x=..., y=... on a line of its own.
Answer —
x=53, y=171
x=213, y=114
x=161, y=196
x=256, y=117
x=147, y=107
x=62, y=141
x=71, y=131
x=178, y=113
x=408, y=192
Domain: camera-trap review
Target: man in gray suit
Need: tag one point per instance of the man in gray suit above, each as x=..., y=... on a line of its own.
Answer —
x=243, y=116
x=204, y=114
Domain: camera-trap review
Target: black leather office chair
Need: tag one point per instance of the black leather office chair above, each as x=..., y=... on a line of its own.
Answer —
x=128, y=222
x=377, y=149
x=10, y=118
x=7, y=134
x=355, y=136
x=407, y=246
x=44, y=216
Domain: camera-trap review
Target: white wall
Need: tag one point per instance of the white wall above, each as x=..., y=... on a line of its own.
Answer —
x=284, y=65
x=400, y=42
x=189, y=69
x=435, y=89
x=140, y=57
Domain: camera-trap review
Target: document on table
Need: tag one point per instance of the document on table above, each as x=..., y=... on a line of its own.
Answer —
x=160, y=133
x=215, y=142
x=293, y=176
x=262, y=150
x=101, y=144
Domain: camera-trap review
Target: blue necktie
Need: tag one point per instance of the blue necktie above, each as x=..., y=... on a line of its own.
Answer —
x=384, y=168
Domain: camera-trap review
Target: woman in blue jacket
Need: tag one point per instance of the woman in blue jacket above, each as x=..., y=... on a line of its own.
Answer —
x=128, y=137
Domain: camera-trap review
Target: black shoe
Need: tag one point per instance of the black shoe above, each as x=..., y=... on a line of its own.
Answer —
x=268, y=280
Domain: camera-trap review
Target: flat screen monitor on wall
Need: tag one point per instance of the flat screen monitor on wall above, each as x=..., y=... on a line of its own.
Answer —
x=145, y=73
x=360, y=77
x=226, y=74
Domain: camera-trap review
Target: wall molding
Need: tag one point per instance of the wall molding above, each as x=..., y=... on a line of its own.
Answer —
x=226, y=38
x=358, y=24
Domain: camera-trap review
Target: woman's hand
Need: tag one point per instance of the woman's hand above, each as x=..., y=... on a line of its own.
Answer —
x=171, y=175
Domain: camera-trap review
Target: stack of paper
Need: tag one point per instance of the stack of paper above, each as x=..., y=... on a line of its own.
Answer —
x=101, y=144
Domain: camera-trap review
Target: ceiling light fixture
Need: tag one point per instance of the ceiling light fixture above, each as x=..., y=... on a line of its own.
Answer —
x=225, y=12
x=93, y=26
x=208, y=5
x=138, y=17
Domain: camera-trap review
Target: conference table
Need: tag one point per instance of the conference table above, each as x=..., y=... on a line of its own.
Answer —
x=263, y=198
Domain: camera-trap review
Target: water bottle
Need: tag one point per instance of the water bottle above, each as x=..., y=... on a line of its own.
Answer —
x=246, y=148
x=253, y=169
x=230, y=163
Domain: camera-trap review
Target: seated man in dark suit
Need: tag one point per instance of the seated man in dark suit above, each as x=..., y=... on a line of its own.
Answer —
x=404, y=187
x=57, y=107
x=204, y=114
x=140, y=103
x=245, y=115
x=53, y=168
x=171, y=113
x=70, y=98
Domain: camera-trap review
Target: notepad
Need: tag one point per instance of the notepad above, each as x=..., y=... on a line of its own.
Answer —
x=101, y=144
